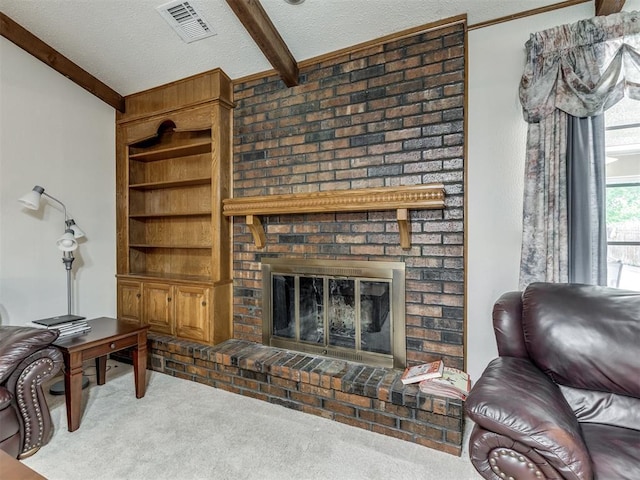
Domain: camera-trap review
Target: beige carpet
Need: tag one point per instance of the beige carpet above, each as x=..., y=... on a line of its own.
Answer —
x=184, y=430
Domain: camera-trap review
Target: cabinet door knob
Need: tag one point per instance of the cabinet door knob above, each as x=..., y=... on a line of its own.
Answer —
x=168, y=299
x=204, y=304
x=112, y=346
x=138, y=295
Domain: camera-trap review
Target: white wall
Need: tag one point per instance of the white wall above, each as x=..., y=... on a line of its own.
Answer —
x=54, y=134
x=496, y=154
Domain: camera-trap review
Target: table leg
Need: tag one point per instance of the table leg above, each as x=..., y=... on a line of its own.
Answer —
x=73, y=389
x=140, y=364
x=101, y=370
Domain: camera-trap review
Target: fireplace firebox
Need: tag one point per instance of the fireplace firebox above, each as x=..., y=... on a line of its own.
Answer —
x=353, y=310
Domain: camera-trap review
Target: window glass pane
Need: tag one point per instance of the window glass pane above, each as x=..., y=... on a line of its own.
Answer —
x=623, y=194
x=623, y=213
x=623, y=267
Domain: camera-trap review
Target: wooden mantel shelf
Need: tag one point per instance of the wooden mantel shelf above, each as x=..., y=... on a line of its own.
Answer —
x=401, y=199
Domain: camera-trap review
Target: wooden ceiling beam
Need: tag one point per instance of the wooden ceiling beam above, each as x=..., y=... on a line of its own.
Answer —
x=607, y=7
x=264, y=33
x=33, y=45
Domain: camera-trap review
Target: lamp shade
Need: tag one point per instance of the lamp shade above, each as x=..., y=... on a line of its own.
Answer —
x=32, y=199
x=77, y=231
x=67, y=242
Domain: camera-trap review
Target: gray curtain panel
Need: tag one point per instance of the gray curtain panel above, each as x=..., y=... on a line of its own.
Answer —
x=586, y=182
x=544, y=255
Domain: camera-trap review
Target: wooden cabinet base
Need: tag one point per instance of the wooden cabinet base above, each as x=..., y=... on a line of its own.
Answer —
x=187, y=310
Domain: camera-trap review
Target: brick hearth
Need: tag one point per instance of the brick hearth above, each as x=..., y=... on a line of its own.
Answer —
x=366, y=397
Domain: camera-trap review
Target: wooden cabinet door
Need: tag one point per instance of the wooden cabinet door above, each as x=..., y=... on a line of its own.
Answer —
x=158, y=307
x=130, y=301
x=193, y=319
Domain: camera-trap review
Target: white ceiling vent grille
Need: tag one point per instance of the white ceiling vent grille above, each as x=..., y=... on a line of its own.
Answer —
x=185, y=20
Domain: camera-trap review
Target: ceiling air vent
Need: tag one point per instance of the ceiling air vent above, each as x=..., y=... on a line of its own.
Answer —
x=185, y=20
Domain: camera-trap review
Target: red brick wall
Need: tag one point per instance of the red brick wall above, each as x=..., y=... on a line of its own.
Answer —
x=391, y=114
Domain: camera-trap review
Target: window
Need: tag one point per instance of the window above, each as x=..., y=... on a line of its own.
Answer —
x=622, y=138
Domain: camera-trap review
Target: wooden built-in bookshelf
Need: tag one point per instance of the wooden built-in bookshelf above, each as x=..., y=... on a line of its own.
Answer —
x=173, y=170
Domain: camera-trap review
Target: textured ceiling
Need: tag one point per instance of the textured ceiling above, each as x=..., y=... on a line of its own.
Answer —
x=128, y=46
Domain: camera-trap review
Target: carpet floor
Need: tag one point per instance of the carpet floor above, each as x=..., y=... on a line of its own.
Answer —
x=188, y=431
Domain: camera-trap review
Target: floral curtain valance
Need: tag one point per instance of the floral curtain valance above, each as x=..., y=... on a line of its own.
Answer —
x=583, y=68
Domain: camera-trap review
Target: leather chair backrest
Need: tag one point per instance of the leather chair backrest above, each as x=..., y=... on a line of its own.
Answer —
x=583, y=336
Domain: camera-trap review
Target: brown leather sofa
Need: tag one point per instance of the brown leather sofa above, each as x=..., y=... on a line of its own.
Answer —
x=563, y=399
x=27, y=360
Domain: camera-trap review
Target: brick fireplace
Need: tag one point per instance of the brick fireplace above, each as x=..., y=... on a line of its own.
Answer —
x=389, y=114
x=379, y=115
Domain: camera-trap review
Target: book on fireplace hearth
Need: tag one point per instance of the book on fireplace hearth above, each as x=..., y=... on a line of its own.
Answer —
x=425, y=371
x=454, y=383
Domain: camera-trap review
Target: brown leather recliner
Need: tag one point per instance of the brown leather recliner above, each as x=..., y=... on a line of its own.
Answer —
x=563, y=399
x=26, y=361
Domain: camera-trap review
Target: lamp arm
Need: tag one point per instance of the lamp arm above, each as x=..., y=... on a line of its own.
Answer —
x=56, y=200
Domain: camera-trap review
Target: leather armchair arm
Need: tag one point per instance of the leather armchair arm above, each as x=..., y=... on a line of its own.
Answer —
x=495, y=457
x=26, y=383
x=521, y=414
x=17, y=343
x=507, y=325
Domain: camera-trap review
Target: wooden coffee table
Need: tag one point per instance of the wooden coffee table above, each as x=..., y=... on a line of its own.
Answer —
x=12, y=468
x=107, y=335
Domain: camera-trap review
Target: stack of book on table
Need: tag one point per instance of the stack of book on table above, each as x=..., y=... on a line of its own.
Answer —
x=435, y=378
x=67, y=325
